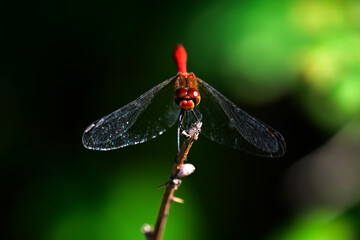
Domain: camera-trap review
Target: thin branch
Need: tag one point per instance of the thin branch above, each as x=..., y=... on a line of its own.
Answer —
x=173, y=183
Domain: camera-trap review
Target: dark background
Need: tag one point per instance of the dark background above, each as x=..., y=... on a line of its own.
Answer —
x=292, y=64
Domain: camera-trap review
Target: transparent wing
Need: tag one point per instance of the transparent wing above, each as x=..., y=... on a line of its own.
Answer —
x=225, y=123
x=142, y=119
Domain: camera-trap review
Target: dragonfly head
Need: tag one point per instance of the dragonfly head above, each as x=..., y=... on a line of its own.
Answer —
x=187, y=98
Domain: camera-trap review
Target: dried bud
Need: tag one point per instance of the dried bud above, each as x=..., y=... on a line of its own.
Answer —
x=195, y=129
x=176, y=183
x=146, y=228
x=185, y=170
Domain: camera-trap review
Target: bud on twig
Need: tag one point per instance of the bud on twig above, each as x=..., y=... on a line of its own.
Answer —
x=185, y=170
x=148, y=231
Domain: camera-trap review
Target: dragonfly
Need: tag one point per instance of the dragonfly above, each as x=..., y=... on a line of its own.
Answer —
x=184, y=98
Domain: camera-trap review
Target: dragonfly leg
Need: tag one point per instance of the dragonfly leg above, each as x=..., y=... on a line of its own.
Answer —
x=198, y=118
x=178, y=131
x=180, y=127
x=187, y=120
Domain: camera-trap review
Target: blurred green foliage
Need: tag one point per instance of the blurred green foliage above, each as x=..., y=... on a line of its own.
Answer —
x=264, y=48
x=318, y=225
x=125, y=207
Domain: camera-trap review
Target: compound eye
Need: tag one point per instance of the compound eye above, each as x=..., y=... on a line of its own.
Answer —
x=180, y=93
x=187, y=104
x=195, y=95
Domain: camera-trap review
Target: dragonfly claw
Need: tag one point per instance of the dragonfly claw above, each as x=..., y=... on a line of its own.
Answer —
x=185, y=134
x=193, y=131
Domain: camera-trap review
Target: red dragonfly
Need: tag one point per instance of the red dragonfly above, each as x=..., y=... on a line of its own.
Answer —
x=159, y=108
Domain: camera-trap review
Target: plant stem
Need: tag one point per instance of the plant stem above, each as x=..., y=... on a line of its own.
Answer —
x=174, y=182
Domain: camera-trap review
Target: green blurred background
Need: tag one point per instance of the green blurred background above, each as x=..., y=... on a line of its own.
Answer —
x=293, y=64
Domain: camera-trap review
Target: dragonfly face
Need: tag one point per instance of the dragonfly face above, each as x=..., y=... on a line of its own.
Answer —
x=159, y=108
x=186, y=95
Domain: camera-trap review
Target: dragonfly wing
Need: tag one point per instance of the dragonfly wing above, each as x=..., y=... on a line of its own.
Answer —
x=143, y=119
x=236, y=128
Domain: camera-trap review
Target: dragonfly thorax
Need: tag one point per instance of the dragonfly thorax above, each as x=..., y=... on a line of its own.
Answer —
x=186, y=95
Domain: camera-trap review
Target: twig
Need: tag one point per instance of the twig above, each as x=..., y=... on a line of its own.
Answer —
x=173, y=184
